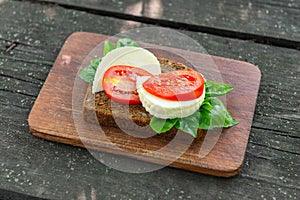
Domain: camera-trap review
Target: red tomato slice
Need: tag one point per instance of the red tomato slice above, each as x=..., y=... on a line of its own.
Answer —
x=181, y=85
x=119, y=83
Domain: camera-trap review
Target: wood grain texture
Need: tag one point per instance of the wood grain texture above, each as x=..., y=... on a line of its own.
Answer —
x=51, y=115
x=271, y=166
x=271, y=21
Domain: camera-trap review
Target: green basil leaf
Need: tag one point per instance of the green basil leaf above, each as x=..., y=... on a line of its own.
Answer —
x=229, y=120
x=95, y=63
x=213, y=89
x=108, y=46
x=88, y=73
x=206, y=104
x=205, y=120
x=218, y=116
x=126, y=42
x=162, y=125
x=189, y=124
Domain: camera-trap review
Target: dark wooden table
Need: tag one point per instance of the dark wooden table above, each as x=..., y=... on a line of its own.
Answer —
x=263, y=32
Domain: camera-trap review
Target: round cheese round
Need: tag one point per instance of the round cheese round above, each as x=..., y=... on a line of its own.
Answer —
x=130, y=56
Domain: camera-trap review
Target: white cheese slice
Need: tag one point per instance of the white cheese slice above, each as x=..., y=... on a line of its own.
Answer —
x=167, y=109
x=131, y=56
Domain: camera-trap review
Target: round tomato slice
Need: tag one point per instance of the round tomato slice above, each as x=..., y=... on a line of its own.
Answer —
x=181, y=85
x=119, y=83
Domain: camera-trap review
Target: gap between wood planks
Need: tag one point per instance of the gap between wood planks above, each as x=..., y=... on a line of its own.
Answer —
x=13, y=45
x=6, y=194
x=266, y=180
x=273, y=148
x=280, y=42
x=277, y=132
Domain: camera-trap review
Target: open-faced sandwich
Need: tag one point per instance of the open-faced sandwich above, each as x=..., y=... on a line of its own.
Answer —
x=153, y=91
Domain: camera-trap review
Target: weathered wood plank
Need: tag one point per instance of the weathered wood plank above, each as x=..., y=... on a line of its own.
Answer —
x=54, y=170
x=16, y=69
x=271, y=180
x=6, y=194
x=274, y=141
x=272, y=65
x=278, y=20
x=14, y=99
x=269, y=59
x=19, y=86
x=288, y=57
x=265, y=164
x=258, y=172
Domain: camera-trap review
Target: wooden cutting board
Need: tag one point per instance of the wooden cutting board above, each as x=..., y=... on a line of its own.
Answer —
x=53, y=114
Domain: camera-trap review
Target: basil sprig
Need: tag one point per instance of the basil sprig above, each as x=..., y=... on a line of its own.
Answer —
x=214, y=89
x=211, y=114
x=88, y=73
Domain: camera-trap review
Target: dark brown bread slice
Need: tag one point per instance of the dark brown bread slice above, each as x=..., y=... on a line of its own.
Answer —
x=109, y=113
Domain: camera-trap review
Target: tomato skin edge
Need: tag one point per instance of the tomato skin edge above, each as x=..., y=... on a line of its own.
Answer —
x=164, y=85
x=124, y=101
x=118, y=73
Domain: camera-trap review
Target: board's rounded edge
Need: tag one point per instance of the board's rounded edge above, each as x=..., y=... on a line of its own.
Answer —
x=30, y=119
x=34, y=132
x=255, y=67
x=252, y=67
x=76, y=34
x=210, y=170
x=231, y=172
x=79, y=34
